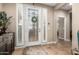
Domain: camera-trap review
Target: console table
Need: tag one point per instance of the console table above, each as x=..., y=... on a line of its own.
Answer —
x=7, y=43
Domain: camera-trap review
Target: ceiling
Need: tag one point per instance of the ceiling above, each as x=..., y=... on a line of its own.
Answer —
x=51, y=4
x=63, y=6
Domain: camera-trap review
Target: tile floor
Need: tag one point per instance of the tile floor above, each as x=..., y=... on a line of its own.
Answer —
x=61, y=48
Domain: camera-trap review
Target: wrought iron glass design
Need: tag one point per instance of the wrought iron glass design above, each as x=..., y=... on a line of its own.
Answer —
x=19, y=33
x=33, y=26
x=19, y=26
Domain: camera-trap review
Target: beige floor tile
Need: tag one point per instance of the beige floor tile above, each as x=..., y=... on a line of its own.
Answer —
x=61, y=48
x=18, y=51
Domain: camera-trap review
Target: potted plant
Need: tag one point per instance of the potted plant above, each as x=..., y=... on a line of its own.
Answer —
x=4, y=22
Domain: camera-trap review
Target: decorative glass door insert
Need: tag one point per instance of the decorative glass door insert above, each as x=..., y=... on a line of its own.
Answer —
x=33, y=24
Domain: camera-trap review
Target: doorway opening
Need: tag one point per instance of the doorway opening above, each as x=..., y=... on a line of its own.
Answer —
x=70, y=27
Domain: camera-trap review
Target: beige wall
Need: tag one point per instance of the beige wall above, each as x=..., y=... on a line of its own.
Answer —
x=75, y=24
x=11, y=11
x=68, y=26
x=1, y=5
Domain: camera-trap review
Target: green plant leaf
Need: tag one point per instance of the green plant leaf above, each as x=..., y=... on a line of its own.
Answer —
x=4, y=20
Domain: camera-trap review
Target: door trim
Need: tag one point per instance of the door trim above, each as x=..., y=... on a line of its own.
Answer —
x=21, y=8
x=23, y=27
x=26, y=32
x=41, y=42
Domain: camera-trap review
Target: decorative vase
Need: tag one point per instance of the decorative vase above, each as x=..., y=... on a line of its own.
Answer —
x=2, y=30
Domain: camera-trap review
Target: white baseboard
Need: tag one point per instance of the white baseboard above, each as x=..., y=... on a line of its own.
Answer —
x=19, y=47
x=39, y=44
x=48, y=43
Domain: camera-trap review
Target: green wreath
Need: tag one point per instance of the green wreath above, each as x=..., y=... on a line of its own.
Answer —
x=34, y=19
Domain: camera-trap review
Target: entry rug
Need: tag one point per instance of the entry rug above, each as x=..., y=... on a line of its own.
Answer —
x=34, y=50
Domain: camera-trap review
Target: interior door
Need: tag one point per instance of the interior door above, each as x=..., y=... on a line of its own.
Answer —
x=33, y=26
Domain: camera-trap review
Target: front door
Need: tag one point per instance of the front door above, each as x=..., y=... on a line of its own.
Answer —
x=33, y=26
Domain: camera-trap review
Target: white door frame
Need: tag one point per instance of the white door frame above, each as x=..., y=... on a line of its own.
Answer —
x=19, y=6
x=64, y=26
x=40, y=29
x=44, y=25
x=27, y=27
x=23, y=10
